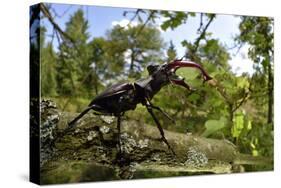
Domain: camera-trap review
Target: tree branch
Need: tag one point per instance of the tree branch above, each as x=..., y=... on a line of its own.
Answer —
x=136, y=13
x=150, y=16
x=47, y=14
x=201, y=23
x=203, y=33
x=244, y=99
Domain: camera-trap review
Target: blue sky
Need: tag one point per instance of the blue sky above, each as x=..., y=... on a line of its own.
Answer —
x=224, y=28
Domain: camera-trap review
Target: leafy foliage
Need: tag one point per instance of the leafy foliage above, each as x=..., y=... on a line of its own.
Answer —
x=135, y=51
x=74, y=63
x=171, y=52
x=213, y=126
x=258, y=33
x=174, y=19
x=48, y=67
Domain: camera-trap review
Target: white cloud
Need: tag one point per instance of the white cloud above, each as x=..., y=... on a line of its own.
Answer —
x=159, y=22
x=125, y=23
x=163, y=19
x=127, y=57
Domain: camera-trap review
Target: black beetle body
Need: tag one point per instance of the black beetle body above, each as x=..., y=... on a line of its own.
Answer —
x=121, y=97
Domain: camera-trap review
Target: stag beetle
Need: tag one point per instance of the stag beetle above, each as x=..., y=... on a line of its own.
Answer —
x=121, y=97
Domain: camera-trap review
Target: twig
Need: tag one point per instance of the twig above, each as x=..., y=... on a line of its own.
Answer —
x=58, y=37
x=203, y=33
x=241, y=102
x=143, y=25
x=220, y=89
x=201, y=23
x=136, y=13
x=47, y=14
x=53, y=35
x=65, y=11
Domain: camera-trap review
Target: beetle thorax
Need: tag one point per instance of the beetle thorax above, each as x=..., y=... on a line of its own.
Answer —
x=156, y=83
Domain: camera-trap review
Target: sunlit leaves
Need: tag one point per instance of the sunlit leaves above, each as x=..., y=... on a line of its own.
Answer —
x=174, y=19
x=74, y=64
x=258, y=32
x=193, y=97
x=171, y=52
x=48, y=71
x=213, y=126
x=238, y=125
x=134, y=49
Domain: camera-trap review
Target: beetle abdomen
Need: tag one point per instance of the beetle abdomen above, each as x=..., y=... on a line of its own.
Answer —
x=116, y=99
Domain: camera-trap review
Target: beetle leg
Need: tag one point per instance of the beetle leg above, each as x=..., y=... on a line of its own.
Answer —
x=160, y=110
x=94, y=107
x=72, y=123
x=149, y=109
x=182, y=83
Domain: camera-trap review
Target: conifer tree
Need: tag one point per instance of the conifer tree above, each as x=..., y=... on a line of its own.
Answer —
x=74, y=65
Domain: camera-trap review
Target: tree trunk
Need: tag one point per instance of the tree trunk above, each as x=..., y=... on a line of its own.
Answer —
x=270, y=95
x=132, y=61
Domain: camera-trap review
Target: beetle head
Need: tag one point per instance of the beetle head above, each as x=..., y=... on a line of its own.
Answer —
x=167, y=72
x=153, y=68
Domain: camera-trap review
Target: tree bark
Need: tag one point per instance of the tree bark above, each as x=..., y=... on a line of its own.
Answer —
x=270, y=95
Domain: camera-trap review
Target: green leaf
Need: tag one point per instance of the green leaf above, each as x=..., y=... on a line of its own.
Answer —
x=213, y=126
x=238, y=125
x=249, y=125
x=192, y=14
x=255, y=153
x=165, y=25
x=189, y=74
x=242, y=82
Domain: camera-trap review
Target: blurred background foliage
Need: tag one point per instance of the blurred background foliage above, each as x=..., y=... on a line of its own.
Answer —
x=239, y=108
